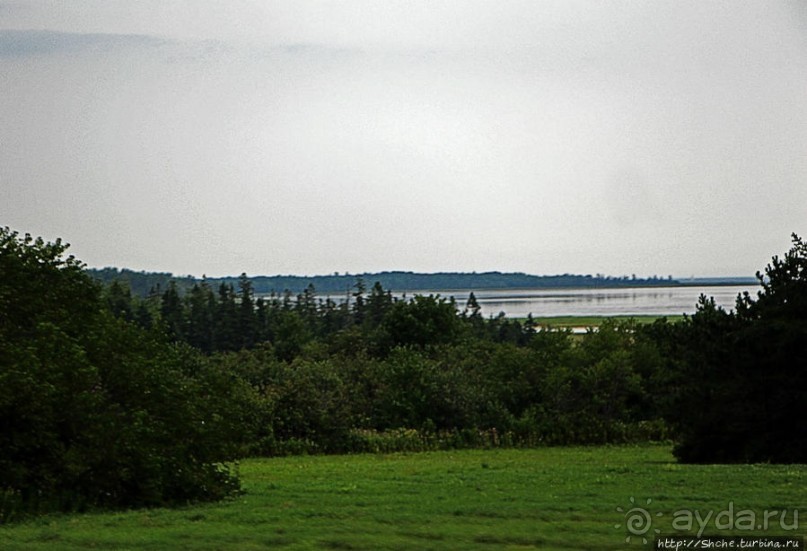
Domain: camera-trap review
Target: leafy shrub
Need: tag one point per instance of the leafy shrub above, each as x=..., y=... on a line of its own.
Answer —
x=740, y=378
x=95, y=411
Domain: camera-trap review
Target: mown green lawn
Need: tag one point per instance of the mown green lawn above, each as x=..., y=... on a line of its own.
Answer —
x=551, y=498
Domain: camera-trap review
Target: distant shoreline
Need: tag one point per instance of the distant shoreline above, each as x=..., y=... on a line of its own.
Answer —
x=145, y=283
x=716, y=281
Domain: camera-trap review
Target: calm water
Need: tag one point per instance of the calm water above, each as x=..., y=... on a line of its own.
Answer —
x=599, y=302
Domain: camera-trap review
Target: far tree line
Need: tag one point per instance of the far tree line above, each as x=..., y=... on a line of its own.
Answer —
x=148, y=283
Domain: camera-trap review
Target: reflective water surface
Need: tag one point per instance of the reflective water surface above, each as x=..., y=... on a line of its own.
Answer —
x=599, y=302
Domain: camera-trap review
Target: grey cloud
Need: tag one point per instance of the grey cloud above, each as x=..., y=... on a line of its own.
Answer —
x=25, y=43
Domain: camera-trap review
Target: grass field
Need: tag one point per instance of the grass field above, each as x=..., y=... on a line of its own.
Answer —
x=551, y=498
x=595, y=321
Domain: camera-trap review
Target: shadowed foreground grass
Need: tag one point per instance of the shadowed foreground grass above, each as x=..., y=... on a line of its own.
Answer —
x=552, y=498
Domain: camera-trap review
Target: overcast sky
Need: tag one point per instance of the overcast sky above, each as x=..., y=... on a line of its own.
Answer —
x=312, y=137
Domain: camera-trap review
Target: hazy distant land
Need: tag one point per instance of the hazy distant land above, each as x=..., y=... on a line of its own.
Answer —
x=142, y=283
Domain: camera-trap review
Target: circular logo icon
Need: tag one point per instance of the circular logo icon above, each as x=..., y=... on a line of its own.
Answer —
x=638, y=520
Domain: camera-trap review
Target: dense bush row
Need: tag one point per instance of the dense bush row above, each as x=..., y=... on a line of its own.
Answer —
x=551, y=391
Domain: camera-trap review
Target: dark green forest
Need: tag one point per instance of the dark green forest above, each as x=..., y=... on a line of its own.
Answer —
x=110, y=397
x=147, y=283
